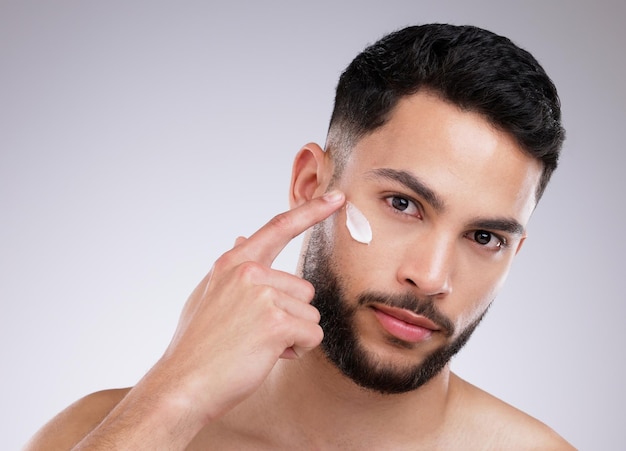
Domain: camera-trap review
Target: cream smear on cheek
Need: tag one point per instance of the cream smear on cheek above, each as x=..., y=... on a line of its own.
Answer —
x=357, y=224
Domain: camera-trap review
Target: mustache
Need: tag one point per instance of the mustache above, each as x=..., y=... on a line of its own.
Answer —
x=420, y=306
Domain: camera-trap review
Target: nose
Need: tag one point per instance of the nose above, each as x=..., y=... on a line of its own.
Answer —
x=427, y=265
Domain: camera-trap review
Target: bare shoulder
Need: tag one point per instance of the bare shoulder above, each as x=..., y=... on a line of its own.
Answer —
x=491, y=420
x=72, y=424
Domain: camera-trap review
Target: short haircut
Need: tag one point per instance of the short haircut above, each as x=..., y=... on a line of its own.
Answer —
x=472, y=68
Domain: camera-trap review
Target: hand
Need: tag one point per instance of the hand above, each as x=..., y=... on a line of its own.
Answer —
x=244, y=316
x=236, y=324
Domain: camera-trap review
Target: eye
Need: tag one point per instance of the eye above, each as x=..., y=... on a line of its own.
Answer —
x=487, y=239
x=403, y=205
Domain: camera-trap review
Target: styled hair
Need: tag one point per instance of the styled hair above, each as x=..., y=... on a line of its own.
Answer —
x=475, y=69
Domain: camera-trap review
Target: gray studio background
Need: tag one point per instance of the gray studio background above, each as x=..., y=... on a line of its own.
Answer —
x=138, y=139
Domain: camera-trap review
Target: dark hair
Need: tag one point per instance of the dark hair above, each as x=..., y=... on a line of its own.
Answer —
x=472, y=68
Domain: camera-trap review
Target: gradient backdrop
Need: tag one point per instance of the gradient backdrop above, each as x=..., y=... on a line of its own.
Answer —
x=139, y=138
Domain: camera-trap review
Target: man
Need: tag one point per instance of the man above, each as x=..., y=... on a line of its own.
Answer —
x=441, y=142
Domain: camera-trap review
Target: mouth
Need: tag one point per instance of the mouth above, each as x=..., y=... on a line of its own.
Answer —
x=404, y=324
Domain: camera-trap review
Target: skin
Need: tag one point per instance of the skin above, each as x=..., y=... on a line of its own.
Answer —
x=245, y=360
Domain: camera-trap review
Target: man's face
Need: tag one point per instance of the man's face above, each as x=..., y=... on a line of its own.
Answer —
x=448, y=198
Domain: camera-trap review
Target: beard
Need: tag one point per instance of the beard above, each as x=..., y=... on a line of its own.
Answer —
x=341, y=343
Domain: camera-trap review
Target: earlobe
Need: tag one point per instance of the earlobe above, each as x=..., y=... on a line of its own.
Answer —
x=310, y=174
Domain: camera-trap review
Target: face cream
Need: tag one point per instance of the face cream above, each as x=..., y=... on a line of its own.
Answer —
x=357, y=224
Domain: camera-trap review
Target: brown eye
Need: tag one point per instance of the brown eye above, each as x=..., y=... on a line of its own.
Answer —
x=403, y=206
x=482, y=237
x=399, y=203
x=487, y=240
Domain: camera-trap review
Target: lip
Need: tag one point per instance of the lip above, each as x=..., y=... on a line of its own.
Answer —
x=403, y=324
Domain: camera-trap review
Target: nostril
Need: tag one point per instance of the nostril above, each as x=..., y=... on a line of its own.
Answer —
x=411, y=282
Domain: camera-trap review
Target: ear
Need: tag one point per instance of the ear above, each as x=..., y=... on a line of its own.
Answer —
x=310, y=174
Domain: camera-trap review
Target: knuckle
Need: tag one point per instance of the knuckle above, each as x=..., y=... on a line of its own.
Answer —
x=312, y=338
x=315, y=315
x=308, y=291
x=277, y=322
x=226, y=260
x=279, y=317
x=310, y=314
x=282, y=221
x=317, y=335
x=249, y=271
x=266, y=292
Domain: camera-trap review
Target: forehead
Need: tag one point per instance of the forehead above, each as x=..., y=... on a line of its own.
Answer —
x=458, y=154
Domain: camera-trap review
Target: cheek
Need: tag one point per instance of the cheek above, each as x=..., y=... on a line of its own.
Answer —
x=475, y=289
x=360, y=265
x=357, y=224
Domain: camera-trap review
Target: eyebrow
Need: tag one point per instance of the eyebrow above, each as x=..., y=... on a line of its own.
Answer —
x=507, y=225
x=412, y=182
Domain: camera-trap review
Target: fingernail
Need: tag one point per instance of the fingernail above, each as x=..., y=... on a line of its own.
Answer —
x=333, y=196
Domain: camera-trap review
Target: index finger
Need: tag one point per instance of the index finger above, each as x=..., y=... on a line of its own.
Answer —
x=267, y=242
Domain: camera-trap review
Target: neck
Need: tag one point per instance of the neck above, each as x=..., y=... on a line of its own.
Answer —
x=314, y=405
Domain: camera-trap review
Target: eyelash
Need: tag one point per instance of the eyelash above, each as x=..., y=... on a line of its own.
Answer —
x=391, y=197
x=501, y=242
